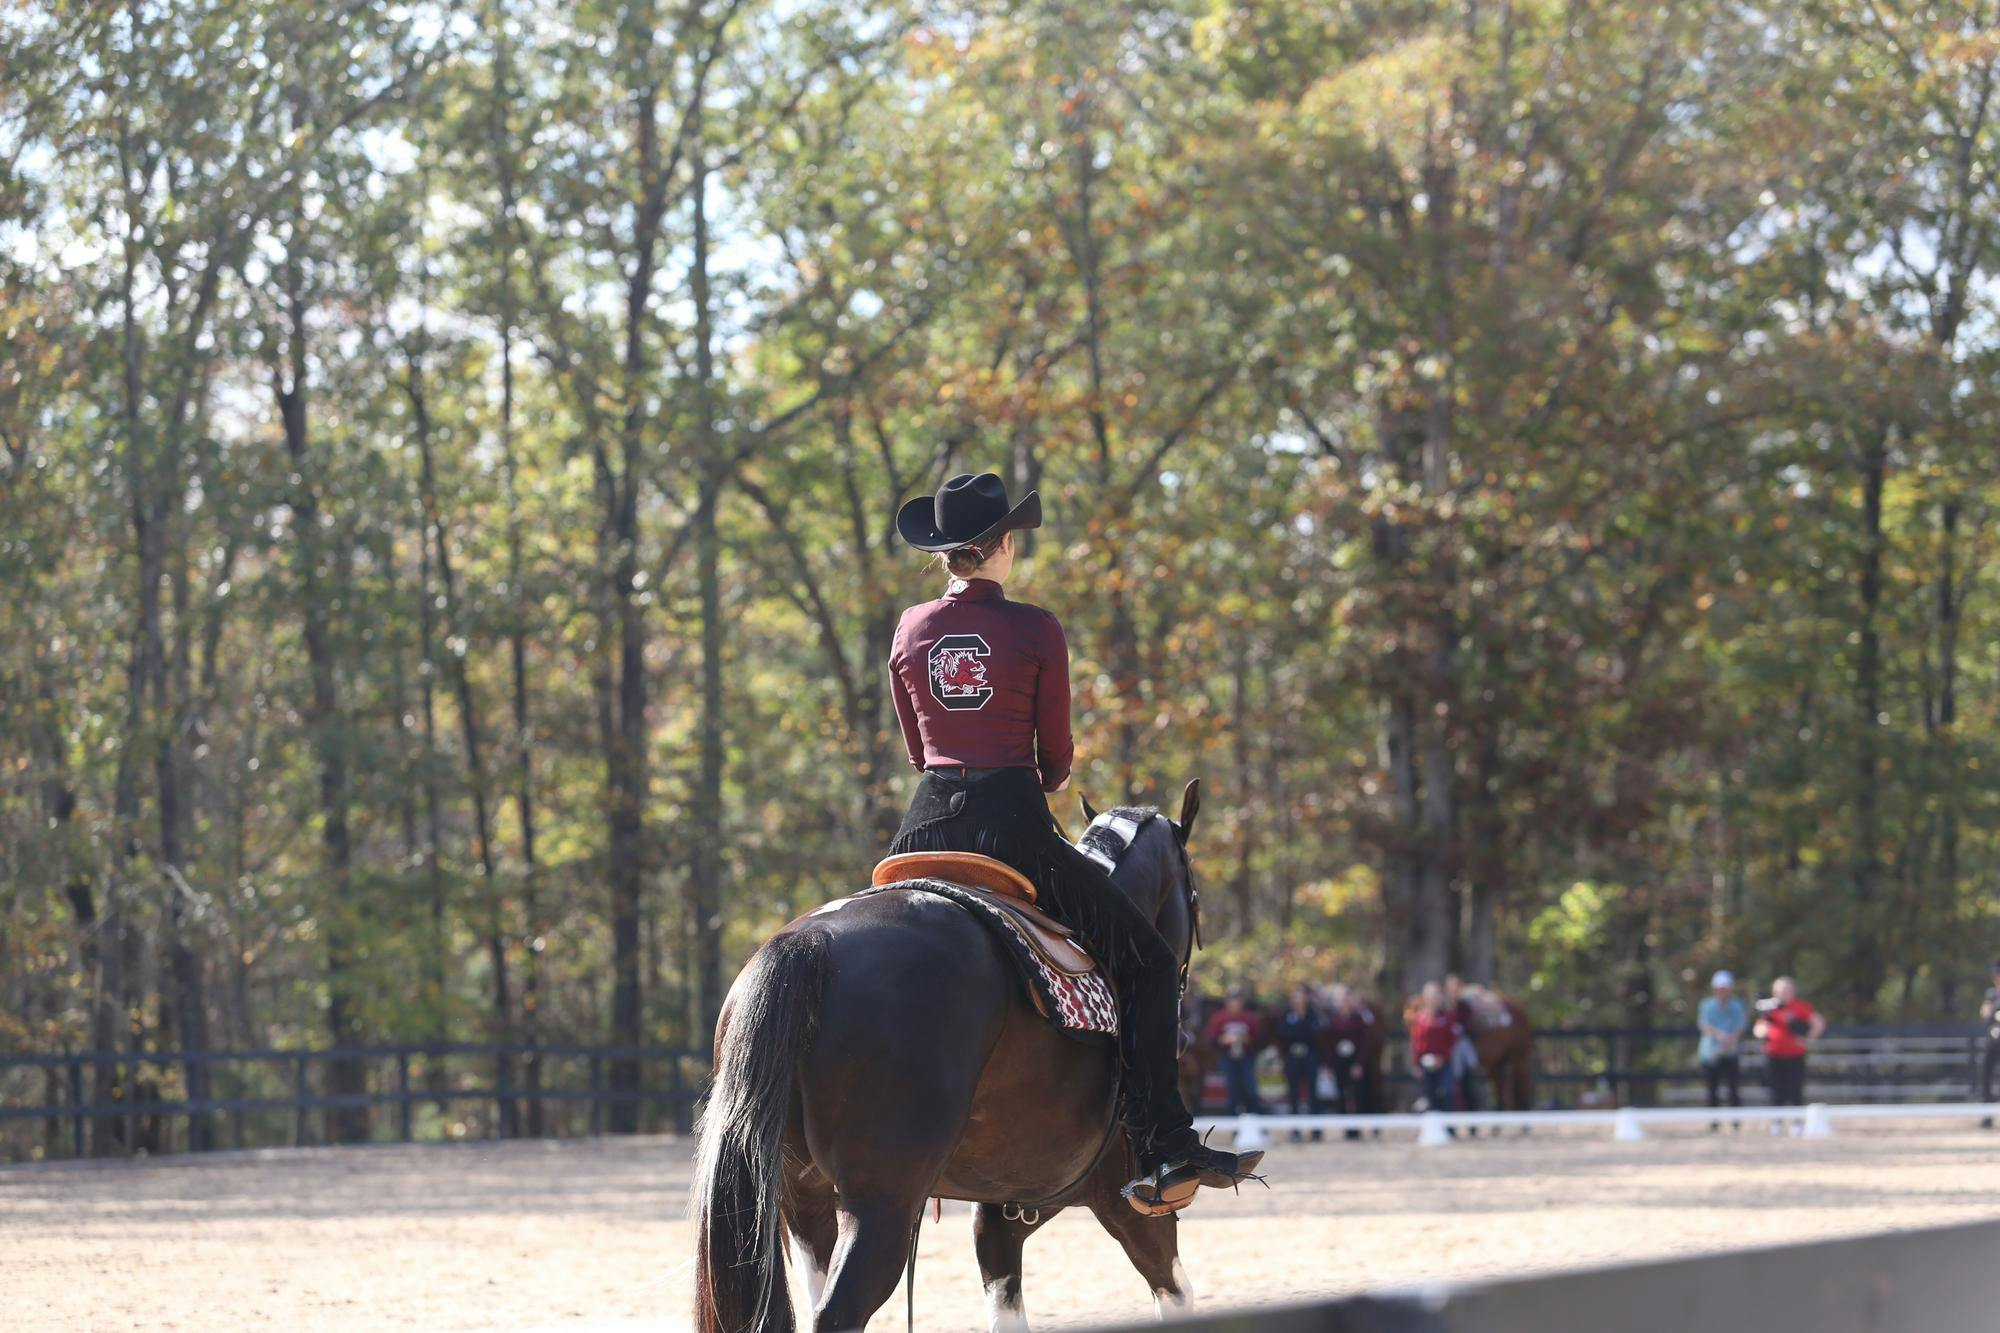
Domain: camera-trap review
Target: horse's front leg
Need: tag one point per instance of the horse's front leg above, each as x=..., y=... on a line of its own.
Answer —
x=997, y=1240
x=1151, y=1243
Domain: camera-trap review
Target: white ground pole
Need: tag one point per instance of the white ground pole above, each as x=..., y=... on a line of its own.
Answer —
x=1627, y=1123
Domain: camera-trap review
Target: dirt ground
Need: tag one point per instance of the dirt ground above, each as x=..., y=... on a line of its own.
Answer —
x=590, y=1235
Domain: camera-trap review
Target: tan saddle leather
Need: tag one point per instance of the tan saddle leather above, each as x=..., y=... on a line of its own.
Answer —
x=969, y=869
x=1002, y=885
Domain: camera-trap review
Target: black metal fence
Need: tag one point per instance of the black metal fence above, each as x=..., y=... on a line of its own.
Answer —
x=93, y=1103
x=98, y=1103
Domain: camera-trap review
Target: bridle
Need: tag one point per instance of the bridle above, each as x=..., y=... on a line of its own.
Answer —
x=1191, y=895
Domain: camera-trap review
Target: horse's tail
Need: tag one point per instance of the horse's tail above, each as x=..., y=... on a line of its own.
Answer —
x=739, y=1255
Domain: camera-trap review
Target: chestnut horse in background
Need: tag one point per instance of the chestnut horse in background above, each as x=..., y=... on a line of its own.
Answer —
x=1507, y=1057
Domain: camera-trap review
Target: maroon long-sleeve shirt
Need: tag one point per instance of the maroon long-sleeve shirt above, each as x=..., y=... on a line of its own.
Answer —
x=1238, y=1033
x=1434, y=1033
x=984, y=682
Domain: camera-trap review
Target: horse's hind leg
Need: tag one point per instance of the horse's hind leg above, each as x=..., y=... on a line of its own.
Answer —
x=998, y=1242
x=868, y=1260
x=809, y=1216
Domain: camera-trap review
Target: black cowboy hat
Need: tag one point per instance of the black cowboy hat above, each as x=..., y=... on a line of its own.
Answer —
x=966, y=511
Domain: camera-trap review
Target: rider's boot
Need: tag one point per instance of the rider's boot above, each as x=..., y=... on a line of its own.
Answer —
x=1172, y=1157
x=1173, y=1160
x=1182, y=1150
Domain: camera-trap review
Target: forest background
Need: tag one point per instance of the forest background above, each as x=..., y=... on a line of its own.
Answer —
x=1533, y=459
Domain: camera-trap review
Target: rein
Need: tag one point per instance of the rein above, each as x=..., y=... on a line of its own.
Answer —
x=1192, y=895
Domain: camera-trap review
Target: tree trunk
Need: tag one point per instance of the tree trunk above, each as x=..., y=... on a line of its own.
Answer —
x=471, y=735
x=436, y=955
x=326, y=721
x=1486, y=864
x=707, y=832
x=517, y=632
x=1424, y=948
x=1948, y=600
x=1866, y=967
x=1242, y=887
x=189, y=1004
x=622, y=705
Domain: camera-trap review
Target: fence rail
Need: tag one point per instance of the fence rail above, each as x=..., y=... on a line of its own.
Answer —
x=81, y=1103
x=1593, y=1066
x=103, y=1103
x=1626, y=1123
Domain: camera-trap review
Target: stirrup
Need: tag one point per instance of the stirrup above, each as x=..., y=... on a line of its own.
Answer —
x=1166, y=1190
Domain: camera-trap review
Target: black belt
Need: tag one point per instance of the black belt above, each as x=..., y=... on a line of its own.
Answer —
x=967, y=774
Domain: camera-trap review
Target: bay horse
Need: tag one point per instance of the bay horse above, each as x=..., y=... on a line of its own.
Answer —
x=882, y=1051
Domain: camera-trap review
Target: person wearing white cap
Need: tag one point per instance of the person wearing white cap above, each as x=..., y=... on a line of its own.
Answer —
x=1723, y=1020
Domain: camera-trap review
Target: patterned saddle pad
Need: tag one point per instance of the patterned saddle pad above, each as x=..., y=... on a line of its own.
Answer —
x=1077, y=1001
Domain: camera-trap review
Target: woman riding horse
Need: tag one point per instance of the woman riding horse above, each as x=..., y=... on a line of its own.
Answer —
x=982, y=689
x=881, y=1049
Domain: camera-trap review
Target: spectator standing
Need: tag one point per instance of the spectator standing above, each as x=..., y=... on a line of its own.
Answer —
x=1788, y=1027
x=1346, y=1047
x=1237, y=1036
x=1723, y=1021
x=1299, y=1031
x=1434, y=1034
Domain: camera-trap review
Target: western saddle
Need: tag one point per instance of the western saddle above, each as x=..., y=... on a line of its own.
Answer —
x=1007, y=887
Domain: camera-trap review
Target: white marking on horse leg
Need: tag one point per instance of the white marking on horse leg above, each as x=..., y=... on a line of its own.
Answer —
x=815, y=1275
x=1005, y=1312
x=1177, y=1301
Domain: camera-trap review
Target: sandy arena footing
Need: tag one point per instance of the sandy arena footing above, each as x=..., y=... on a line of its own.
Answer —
x=592, y=1235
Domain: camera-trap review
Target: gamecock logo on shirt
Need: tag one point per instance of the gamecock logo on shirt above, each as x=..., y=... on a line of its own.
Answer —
x=958, y=672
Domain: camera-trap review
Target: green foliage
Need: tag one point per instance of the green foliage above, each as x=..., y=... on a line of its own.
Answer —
x=1533, y=463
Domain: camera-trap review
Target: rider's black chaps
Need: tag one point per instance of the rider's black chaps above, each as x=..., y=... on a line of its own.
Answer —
x=1003, y=814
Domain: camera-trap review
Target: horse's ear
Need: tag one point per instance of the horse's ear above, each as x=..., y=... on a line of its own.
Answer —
x=1089, y=815
x=1190, y=807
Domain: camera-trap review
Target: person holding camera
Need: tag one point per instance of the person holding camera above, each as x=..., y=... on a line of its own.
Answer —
x=1237, y=1035
x=1434, y=1033
x=1723, y=1023
x=1788, y=1027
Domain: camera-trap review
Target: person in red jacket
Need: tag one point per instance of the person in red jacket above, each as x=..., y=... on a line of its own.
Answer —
x=981, y=686
x=1434, y=1033
x=1237, y=1034
x=1788, y=1027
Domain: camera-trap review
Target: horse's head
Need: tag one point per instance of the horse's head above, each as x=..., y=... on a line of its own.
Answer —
x=1145, y=854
